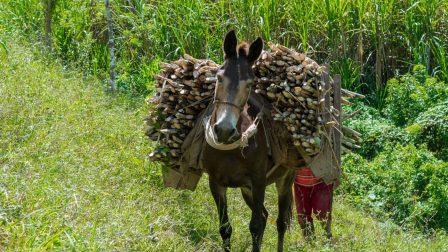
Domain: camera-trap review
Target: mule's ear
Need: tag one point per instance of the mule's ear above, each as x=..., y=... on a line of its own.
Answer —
x=230, y=43
x=255, y=50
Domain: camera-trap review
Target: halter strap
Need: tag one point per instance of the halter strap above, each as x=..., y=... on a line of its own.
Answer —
x=216, y=101
x=228, y=103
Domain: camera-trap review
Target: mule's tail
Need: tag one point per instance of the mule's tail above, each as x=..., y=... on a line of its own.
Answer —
x=289, y=212
x=286, y=199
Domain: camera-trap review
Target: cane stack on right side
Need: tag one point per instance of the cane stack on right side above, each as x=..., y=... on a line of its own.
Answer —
x=293, y=83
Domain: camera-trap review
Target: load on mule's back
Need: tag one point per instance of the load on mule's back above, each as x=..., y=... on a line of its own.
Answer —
x=258, y=119
x=230, y=159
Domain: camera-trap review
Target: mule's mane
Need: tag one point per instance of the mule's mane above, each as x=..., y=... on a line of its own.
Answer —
x=243, y=49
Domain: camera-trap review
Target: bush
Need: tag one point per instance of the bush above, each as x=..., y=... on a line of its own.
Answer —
x=431, y=128
x=376, y=134
x=404, y=183
x=376, y=131
x=138, y=81
x=411, y=94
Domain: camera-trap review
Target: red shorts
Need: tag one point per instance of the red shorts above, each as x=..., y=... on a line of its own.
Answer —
x=315, y=199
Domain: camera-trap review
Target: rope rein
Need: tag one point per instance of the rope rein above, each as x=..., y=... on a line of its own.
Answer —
x=216, y=101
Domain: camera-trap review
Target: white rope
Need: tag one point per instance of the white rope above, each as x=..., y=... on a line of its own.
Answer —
x=210, y=136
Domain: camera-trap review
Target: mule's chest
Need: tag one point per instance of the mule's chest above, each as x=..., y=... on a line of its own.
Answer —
x=229, y=177
x=233, y=168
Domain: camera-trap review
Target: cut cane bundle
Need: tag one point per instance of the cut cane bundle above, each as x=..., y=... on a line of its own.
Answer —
x=292, y=82
x=289, y=80
x=183, y=89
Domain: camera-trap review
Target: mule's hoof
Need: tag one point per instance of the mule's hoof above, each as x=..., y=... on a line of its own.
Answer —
x=226, y=245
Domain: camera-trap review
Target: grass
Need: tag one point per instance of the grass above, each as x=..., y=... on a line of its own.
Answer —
x=73, y=176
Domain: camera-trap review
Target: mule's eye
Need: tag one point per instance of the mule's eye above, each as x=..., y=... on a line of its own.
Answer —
x=219, y=77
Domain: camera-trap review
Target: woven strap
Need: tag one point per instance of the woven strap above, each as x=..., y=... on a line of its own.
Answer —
x=210, y=136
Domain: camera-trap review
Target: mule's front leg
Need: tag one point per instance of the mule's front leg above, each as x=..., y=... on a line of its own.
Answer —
x=225, y=229
x=258, y=220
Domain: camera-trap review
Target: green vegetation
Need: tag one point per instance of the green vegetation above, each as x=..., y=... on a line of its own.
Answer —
x=403, y=183
x=376, y=131
x=366, y=41
x=411, y=94
x=431, y=128
x=72, y=158
x=406, y=178
x=74, y=177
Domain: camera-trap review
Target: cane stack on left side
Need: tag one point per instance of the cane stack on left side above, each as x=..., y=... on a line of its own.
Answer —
x=183, y=89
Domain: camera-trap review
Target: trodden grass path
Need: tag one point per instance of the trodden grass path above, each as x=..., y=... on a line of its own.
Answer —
x=73, y=176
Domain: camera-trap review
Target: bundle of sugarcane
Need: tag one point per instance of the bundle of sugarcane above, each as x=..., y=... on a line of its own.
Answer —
x=183, y=87
x=293, y=84
x=290, y=80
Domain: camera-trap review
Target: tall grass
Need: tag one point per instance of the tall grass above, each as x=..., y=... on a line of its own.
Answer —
x=367, y=41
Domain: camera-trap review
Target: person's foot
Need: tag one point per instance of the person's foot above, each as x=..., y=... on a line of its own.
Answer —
x=329, y=235
x=308, y=232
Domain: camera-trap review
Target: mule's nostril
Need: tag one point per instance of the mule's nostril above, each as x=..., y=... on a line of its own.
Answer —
x=225, y=132
x=216, y=128
x=232, y=132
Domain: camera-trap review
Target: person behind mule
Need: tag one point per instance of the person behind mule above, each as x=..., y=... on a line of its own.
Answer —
x=312, y=196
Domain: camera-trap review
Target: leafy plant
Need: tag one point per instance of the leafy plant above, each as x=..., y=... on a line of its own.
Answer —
x=404, y=183
x=377, y=132
x=411, y=94
x=431, y=128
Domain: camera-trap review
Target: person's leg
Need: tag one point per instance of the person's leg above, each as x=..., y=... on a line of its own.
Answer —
x=322, y=201
x=302, y=198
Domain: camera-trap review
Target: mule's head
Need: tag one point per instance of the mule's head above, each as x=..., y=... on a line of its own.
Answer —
x=234, y=81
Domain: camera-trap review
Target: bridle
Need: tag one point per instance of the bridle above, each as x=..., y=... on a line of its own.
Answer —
x=216, y=101
x=242, y=142
x=240, y=108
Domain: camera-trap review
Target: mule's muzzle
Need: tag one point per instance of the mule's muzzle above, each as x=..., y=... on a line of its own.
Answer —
x=226, y=133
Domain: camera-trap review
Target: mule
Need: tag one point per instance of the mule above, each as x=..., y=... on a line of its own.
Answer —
x=249, y=167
